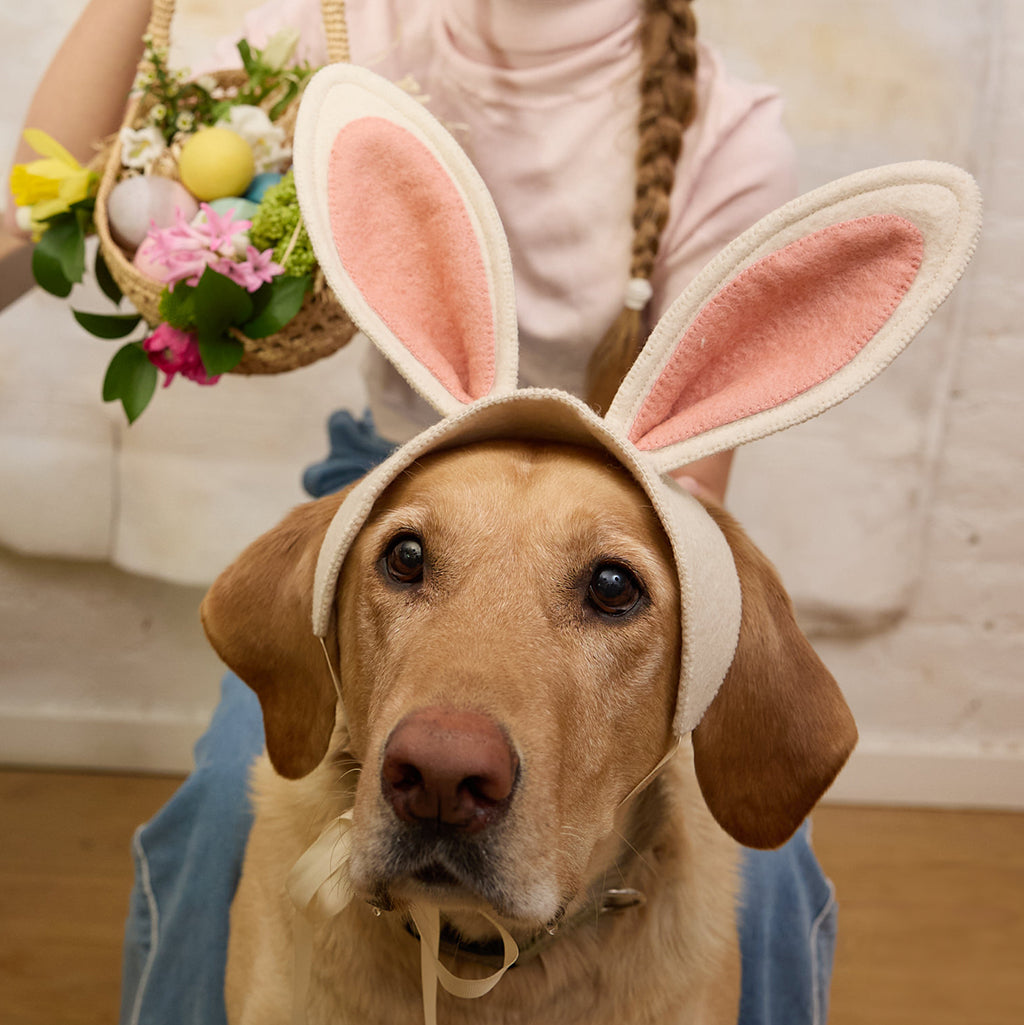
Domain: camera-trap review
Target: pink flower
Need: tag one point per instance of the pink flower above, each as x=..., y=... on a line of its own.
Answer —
x=176, y=352
x=220, y=230
x=254, y=271
x=217, y=241
x=181, y=249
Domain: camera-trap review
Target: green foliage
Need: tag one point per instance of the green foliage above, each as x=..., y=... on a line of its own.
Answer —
x=58, y=259
x=178, y=105
x=110, y=288
x=268, y=86
x=177, y=307
x=116, y=325
x=279, y=302
x=130, y=378
x=277, y=225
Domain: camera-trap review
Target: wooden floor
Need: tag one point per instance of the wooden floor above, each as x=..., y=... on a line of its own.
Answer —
x=931, y=919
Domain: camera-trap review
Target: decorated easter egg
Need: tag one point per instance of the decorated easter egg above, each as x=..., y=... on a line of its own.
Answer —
x=260, y=184
x=216, y=162
x=136, y=203
x=240, y=209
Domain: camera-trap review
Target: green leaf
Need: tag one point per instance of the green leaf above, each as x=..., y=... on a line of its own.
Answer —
x=83, y=217
x=114, y=325
x=49, y=274
x=64, y=241
x=178, y=308
x=219, y=304
x=111, y=289
x=131, y=378
x=220, y=354
x=282, y=104
x=286, y=295
x=245, y=52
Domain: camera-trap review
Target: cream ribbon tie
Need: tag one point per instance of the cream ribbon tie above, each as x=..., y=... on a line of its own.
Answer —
x=320, y=887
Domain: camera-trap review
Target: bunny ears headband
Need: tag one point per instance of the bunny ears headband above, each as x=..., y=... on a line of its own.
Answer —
x=798, y=313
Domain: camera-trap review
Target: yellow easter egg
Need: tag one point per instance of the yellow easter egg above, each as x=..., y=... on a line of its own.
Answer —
x=216, y=162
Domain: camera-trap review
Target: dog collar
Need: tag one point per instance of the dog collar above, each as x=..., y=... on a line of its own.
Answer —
x=490, y=953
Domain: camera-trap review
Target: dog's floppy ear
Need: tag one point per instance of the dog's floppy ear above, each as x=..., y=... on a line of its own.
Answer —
x=257, y=615
x=779, y=730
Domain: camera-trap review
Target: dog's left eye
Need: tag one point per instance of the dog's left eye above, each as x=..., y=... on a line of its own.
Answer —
x=613, y=589
x=403, y=560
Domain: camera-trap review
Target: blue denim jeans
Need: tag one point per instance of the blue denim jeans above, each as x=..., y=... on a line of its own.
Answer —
x=189, y=856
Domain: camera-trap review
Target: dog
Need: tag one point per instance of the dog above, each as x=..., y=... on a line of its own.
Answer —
x=507, y=623
x=524, y=697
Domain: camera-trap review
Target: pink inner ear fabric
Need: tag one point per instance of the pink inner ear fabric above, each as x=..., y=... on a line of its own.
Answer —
x=785, y=324
x=403, y=234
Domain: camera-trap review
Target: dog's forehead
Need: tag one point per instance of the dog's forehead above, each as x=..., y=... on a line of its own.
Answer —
x=555, y=495
x=708, y=584
x=497, y=467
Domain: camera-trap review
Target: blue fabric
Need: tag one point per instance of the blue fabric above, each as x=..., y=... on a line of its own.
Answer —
x=355, y=449
x=189, y=857
x=187, y=863
x=787, y=935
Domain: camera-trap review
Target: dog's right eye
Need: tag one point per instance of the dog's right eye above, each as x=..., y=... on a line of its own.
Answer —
x=403, y=561
x=614, y=590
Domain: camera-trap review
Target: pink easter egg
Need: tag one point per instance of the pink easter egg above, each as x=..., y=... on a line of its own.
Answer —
x=135, y=203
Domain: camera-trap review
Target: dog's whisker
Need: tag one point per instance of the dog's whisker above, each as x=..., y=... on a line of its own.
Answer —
x=636, y=852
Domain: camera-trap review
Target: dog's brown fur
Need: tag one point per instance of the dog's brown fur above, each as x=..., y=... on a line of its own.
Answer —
x=501, y=626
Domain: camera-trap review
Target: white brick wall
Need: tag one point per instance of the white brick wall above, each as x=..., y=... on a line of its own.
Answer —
x=932, y=663
x=898, y=520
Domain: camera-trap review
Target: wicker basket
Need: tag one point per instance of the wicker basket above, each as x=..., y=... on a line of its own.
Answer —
x=321, y=326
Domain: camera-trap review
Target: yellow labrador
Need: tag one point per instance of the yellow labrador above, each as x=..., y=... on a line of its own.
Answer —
x=507, y=622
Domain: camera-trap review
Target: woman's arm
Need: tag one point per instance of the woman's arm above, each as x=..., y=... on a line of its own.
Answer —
x=83, y=93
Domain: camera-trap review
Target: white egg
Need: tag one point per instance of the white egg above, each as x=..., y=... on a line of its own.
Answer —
x=136, y=204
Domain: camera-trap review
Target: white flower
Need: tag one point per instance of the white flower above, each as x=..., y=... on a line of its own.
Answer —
x=280, y=47
x=269, y=148
x=140, y=147
x=207, y=82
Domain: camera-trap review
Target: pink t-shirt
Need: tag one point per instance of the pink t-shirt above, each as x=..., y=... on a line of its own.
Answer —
x=543, y=96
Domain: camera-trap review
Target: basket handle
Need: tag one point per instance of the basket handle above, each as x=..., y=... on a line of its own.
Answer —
x=333, y=11
x=160, y=22
x=336, y=28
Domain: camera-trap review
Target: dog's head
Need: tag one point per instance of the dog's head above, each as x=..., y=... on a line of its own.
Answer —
x=523, y=608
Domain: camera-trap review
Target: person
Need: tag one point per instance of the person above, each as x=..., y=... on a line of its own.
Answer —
x=622, y=156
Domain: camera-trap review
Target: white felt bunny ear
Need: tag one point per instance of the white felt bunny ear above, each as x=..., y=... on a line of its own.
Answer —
x=407, y=236
x=800, y=311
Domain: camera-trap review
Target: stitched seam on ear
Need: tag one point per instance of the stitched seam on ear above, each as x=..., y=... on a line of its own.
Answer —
x=667, y=386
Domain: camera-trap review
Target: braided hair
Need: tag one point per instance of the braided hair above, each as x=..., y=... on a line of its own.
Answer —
x=668, y=92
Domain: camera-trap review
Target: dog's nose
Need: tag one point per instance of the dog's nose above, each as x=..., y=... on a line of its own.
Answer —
x=449, y=766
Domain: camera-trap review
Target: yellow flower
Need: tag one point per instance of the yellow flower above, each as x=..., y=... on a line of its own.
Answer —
x=49, y=186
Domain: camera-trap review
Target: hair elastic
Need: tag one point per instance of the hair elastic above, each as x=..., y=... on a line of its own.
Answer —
x=638, y=294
